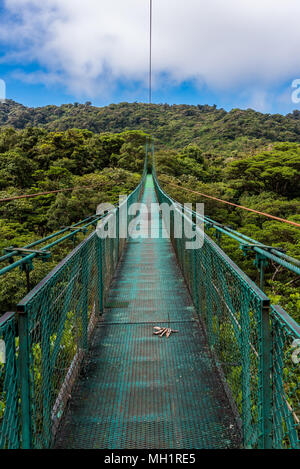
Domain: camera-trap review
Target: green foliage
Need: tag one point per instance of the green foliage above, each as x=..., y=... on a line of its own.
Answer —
x=216, y=132
x=267, y=182
x=276, y=170
x=36, y=160
x=189, y=161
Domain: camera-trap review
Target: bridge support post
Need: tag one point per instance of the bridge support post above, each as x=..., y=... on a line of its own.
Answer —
x=195, y=275
x=24, y=377
x=209, y=300
x=100, y=280
x=246, y=374
x=46, y=375
x=265, y=378
x=218, y=237
x=85, y=293
x=118, y=234
x=261, y=262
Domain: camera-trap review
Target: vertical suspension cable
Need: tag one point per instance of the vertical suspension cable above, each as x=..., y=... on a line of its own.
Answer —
x=150, y=78
x=150, y=55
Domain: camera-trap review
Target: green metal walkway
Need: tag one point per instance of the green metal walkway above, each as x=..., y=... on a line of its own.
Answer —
x=138, y=390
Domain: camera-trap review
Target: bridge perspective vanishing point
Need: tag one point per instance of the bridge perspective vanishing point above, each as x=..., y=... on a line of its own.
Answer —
x=83, y=369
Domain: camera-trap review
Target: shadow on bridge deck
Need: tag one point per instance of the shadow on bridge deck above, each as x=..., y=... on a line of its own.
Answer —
x=138, y=390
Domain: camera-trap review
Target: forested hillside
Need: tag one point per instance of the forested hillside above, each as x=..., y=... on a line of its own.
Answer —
x=268, y=181
x=215, y=131
x=98, y=167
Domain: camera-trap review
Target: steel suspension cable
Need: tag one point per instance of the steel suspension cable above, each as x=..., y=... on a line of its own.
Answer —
x=235, y=205
x=39, y=194
x=150, y=54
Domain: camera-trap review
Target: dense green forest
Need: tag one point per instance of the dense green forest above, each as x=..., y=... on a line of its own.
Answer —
x=245, y=157
x=217, y=133
x=98, y=167
x=267, y=181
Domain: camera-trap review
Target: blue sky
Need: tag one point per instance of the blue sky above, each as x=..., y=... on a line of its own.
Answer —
x=232, y=54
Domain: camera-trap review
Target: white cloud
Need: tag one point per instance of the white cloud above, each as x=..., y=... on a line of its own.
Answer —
x=89, y=45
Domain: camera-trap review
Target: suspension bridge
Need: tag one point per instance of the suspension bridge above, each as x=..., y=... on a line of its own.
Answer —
x=83, y=368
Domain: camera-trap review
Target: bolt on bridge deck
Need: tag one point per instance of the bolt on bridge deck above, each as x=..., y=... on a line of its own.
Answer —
x=138, y=390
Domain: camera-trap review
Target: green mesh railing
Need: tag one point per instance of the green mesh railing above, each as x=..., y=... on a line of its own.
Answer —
x=56, y=321
x=285, y=374
x=250, y=342
x=255, y=346
x=9, y=391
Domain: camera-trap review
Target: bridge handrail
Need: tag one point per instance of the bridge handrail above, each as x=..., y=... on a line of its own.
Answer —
x=27, y=258
x=249, y=244
x=232, y=265
x=53, y=327
x=250, y=339
x=252, y=342
x=9, y=391
x=285, y=375
x=43, y=252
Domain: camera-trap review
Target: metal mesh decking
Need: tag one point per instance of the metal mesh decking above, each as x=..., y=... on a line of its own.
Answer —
x=139, y=390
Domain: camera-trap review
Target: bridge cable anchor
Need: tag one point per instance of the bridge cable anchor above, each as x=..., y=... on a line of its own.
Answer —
x=27, y=266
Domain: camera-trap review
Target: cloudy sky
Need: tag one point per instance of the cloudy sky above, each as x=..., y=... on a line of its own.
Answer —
x=233, y=53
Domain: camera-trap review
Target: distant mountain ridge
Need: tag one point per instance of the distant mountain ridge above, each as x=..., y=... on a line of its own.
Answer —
x=174, y=126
